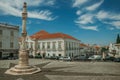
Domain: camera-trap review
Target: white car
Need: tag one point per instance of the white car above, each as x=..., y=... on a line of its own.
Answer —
x=67, y=59
x=61, y=58
x=95, y=57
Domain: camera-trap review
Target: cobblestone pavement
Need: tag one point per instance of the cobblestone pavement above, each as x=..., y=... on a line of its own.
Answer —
x=59, y=70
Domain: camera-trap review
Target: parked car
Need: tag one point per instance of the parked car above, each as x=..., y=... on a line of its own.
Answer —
x=12, y=58
x=38, y=56
x=53, y=57
x=61, y=58
x=95, y=57
x=67, y=59
x=109, y=58
x=5, y=57
x=47, y=57
x=30, y=56
x=117, y=59
x=80, y=57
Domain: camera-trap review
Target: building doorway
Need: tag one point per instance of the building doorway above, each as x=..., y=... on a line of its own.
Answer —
x=0, y=55
x=43, y=55
x=11, y=55
x=59, y=55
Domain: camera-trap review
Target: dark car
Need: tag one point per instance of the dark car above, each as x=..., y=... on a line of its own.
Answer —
x=5, y=57
x=117, y=59
x=30, y=56
x=53, y=57
x=13, y=58
x=38, y=56
x=80, y=58
x=109, y=58
x=47, y=57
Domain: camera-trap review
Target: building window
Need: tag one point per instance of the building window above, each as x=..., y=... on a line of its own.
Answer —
x=66, y=46
x=69, y=46
x=72, y=46
x=48, y=45
x=11, y=44
x=12, y=33
x=43, y=45
x=39, y=45
x=0, y=44
x=48, y=54
x=59, y=45
x=53, y=55
x=54, y=45
x=69, y=54
x=31, y=45
x=1, y=32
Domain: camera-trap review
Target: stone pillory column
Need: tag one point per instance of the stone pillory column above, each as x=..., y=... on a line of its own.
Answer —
x=23, y=66
x=23, y=55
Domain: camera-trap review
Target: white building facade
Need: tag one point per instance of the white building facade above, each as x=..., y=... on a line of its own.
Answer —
x=57, y=44
x=8, y=40
x=114, y=49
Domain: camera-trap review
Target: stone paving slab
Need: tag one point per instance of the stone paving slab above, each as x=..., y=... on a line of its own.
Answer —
x=60, y=64
x=59, y=77
x=38, y=61
x=59, y=70
x=87, y=67
x=6, y=63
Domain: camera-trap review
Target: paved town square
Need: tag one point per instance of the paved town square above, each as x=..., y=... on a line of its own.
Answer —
x=59, y=40
x=64, y=70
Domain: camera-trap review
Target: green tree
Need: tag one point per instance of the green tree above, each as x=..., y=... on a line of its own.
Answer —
x=104, y=49
x=118, y=39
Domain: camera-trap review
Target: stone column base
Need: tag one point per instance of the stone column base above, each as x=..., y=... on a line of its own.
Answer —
x=22, y=70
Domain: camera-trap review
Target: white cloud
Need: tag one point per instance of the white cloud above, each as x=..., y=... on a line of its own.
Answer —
x=9, y=10
x=78, y=12
x=94, y=28
x=94, y=6
x=111, y=28
x=19, y=3
x=116, y=24
x=51, y=2
x=13, y=7
x=85, y=19
x=101, y=15
x=114, y=16
x=114, y=19
x=78, y=3
x=45, y=15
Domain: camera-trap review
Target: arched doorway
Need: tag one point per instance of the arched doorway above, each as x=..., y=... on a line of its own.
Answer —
x=43, y=55
x=0, y=55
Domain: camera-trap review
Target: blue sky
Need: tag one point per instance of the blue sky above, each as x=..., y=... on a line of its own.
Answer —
x=91, y=21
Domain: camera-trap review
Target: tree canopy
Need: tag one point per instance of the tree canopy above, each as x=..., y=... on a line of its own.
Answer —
x=118, y=39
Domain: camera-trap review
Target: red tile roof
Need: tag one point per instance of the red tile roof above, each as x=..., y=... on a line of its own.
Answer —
x=45, y=35
x=97, y=47
x=83, y=45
